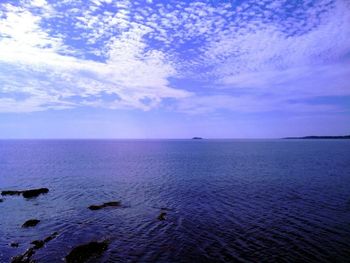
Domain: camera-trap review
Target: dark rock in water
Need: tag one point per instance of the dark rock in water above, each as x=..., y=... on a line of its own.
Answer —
x=31, y=223
x=114, y=203
x=24, y=258
x=38, y=243
x=49, y=238
x=162, y=216
x=1, y=200
x=14, y=244
x=98, y=207
x=95, y=207
x=27, y=193
x=197, y=138
x=84, y=252
x=11, y=192
x=34, y=192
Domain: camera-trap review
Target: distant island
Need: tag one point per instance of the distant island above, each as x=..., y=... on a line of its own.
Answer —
x=320, y=137
x=197, y=138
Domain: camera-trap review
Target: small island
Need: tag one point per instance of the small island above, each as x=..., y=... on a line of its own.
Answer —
x=197, y=138
x=320, y=137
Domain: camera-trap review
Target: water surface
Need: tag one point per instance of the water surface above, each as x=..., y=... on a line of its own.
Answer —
x=227, y=200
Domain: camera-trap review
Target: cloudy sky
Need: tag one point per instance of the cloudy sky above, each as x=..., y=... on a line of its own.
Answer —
x=174, y=69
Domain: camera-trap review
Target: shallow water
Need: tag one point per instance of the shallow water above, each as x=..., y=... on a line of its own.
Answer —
x=227, y=200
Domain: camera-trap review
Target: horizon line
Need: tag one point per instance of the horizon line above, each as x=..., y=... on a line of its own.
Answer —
x=183, y=138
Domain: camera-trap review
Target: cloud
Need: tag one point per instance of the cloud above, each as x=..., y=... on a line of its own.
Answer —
x=250, y=104
x=126, y=54
x=136, y=76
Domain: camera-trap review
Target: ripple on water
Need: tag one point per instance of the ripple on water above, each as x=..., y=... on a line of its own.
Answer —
x=225, y=201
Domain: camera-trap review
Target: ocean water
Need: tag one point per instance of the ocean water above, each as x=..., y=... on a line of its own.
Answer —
x=226, y=200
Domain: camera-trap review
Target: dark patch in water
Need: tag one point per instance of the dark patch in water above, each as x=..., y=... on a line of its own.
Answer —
x=162, y=216
x=26, y=257
x=14, y=244
x=49, y=238
x=11, y=192
x=84, y=252
x=38, y=243
x=26, y=193
x=31, y=223
x=34, y=192
x=104, y=205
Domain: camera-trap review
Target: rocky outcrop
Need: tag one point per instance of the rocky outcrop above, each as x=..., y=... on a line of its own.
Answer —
x=34, y=192
x=31, y=223
x=26, y=193
x=38, y=243
x=162, y=216
x=108, y=204
x=26, y=257
x=14, y=244
x=84, y=252
x=11, y=192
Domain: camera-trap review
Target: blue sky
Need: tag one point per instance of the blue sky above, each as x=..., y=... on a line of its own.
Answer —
x=174, y=69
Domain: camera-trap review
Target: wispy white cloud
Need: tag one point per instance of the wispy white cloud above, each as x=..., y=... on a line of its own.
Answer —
x=250, y=104
x=124, y=54
x=137, y=77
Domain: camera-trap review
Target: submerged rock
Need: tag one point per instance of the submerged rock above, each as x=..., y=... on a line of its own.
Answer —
x=26, y=256
x=31, y=223
x=34, y=192
x=14, y=244
x=98, y=207
x=162, y=216
x=1, y=200
x=84, y=252
x=49, y=238
x=27, y=193
x=38, y=243
x=11, y=192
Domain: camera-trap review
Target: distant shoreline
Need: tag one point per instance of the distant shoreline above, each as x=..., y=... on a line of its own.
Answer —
x=170, y=139
x=320, y=137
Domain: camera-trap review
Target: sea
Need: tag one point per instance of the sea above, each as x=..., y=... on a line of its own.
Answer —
x=225, y=200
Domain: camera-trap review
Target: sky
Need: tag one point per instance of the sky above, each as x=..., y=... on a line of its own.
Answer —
x=174, y=69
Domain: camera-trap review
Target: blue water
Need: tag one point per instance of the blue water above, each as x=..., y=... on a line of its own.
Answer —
x=227, y=200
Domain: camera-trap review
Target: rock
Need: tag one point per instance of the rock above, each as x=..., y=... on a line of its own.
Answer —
x=38, y=244
x=49, y=238
x=14, y=244
x=1, y=200
x=11, y=192
x=34, y=192
x=162, y=216
x=31, y=223
x=26, y=193
x=24, y=258
x=84, y=252
x=98, y=207
x=197, y=138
